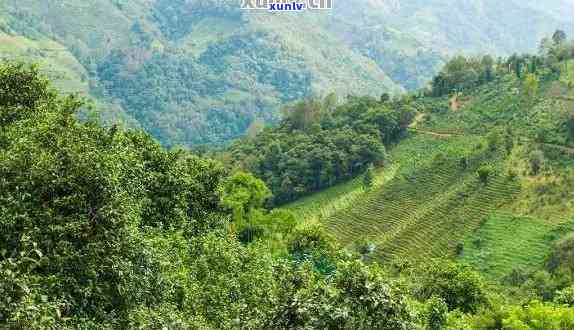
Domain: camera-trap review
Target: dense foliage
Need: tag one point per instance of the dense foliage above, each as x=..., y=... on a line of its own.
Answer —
x=462, y=74
x=102, y=228
x=319, y=144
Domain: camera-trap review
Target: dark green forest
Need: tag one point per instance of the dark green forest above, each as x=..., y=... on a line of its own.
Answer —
x=320, y=143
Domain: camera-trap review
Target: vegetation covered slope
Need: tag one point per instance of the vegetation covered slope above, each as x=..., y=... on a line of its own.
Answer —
x=319, y=144
x=200, y=72
x=485, y=174
x=102, y=228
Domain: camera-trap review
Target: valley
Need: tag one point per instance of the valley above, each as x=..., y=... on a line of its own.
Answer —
x=241, y=67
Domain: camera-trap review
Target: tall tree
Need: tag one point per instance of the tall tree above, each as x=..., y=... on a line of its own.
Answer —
x=368, y=178
x=559, y=37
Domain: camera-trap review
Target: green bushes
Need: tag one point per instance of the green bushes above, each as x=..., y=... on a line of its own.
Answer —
x=484, y=173
x=458, y=286
x=539, y=316
x=535, y=316
x=437, y=312
x=368, y=178
x=242, y=193
x=462, y=73
x=23, y=91
x=565, y=296
x=318, y=145
x=562, y=256
x=536, y=159
x=104, y=229
x=358, y=297
x=77, y=203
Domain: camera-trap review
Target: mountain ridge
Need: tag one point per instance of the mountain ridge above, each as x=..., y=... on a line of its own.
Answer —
x=246, y=65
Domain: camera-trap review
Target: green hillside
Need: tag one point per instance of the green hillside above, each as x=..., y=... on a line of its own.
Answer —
x=432, y=202
x=200, y=72
x=454, y=209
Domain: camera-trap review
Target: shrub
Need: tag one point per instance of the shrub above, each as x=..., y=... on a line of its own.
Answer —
x=437, y=312
x=459, y=248
x=484, y=172
x=565, y=296
x=562, y=254
x=536, y=161
x=456, y=284
x=539, y=316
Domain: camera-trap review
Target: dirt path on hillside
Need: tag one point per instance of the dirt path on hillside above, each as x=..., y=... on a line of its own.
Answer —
x=421, y=116
x=435, y=134
x=418, y=118
x=564, y=149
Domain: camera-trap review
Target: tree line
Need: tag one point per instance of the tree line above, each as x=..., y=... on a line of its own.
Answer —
x=463, y=73
x=320, y=143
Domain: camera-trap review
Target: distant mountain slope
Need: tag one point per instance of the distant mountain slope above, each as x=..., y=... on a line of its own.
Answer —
x=200, y=72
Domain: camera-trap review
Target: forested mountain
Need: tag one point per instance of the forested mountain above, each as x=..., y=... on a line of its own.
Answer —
x=200, y=72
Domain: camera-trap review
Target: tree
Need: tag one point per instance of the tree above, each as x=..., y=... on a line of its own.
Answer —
x=545, y=46
x=570, y=124
x=330, y=103
x=531, y=85
x=494, y=138
x=368, y=178
x=437, y=312
x=517, y=66
x=385, y=97
x=562, y=255
x=242, y=193
x=536, y=160
x=559, y=37
x=565, y=296
x=304, y=113
x=81, y=254
x=455, y=284
x=255, y=128
x=487, y=63
x=23, y=90
x=539, y=316
x=484, y=173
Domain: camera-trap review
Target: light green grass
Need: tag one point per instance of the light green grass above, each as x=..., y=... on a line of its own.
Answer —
x=54, y=60
x=323, y=204
x=505, y=242
x=567, y=76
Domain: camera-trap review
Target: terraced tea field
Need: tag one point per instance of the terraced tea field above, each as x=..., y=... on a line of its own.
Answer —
x=431, y=204
x=505, y=241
